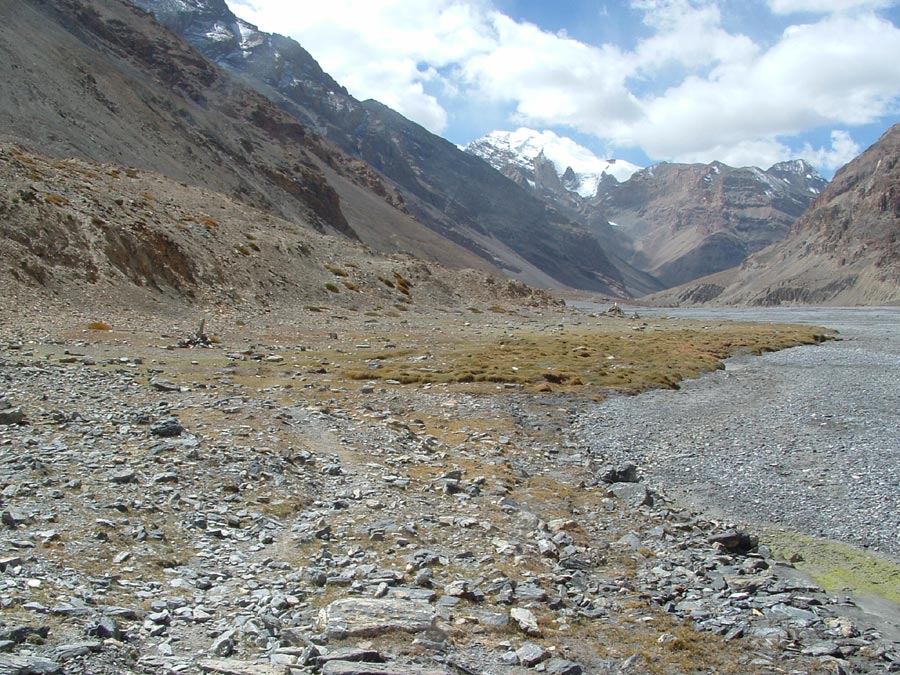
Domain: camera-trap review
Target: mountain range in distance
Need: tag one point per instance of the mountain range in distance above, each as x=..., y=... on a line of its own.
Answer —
x=253, y=116
x=453, y=193
x=574, y=167
x=673, y=222
x=844, y=250
x=557, y=172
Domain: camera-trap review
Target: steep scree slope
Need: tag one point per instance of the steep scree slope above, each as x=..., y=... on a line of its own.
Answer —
x=453, y=193
x=101, y=81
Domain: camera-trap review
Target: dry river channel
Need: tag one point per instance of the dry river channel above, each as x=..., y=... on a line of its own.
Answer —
x=806, y=439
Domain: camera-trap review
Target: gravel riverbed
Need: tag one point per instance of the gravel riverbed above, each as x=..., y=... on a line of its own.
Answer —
x=807, y=438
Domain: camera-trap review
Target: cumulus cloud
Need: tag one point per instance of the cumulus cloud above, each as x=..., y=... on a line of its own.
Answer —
x=839, y=71
x=690, y=89
x=689, y=35
x=826, y=6
x=843, y=149
x=550, y=77
x=762, y=152
x=388, y=50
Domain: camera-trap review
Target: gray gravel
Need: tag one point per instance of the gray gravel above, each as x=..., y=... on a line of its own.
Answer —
x=807, y=438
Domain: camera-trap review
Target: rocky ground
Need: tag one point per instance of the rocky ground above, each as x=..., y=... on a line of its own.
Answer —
x=236, y=507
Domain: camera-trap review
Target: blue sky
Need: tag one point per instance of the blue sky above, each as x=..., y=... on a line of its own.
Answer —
x=746, y=82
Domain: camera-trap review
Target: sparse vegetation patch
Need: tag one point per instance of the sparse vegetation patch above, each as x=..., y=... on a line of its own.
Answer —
x=335, y=270
x=593, y=361
x=840, y=568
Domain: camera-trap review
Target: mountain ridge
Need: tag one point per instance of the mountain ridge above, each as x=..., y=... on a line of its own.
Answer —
x=845, y=250
x=116, y=86
x=123, y=92
x=689, y=220
x=672, y=222
x=454, y=194
x=269, y=127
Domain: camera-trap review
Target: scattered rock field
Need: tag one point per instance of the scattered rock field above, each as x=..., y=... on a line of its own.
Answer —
x=178, y=508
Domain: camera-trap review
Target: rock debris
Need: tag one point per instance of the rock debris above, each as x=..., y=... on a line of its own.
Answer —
x=216, y=526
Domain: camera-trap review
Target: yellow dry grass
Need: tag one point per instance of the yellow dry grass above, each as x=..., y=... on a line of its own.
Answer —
x=580, y=360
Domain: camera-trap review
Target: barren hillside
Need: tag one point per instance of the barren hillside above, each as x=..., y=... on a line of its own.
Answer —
x=844, y=251
x=102, y=81
x=108, y=239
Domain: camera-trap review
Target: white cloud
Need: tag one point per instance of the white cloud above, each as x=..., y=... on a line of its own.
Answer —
x=376, y=49
x=843, y=149
x=762, y=152
x=839, y=71
x=689, y=90
x=689, y=35
x=551, y=78
x=826, y=6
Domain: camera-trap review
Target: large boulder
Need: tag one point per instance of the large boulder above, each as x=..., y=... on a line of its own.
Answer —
x=358, y=617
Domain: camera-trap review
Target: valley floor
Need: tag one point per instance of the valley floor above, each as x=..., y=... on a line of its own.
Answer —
x=806, y=438
x=347, y=492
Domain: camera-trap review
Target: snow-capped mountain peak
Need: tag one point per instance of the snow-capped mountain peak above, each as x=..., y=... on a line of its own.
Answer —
x=799, y=172
x=506, y=150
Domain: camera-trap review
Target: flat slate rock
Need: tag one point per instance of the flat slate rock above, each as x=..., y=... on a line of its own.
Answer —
x=161, y=384
x=359, y=668
x=235, y=667
x=531, y=654
x=75, y=649
x=358, y=617
x=11, y=417
x=167, y=428
x=558, y=666
x=622, y=473
x=12, y=664
x=354, y=654
x=526, y=620
x=735, y=541
x=633, y=494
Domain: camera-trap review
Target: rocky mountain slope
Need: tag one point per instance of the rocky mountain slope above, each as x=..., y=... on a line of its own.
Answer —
x=105, y=82
x=685, y=221
x=453, y=193
x=844, y=251
x=104, y=239
x=673, y=222
x=100, y=81
x=542, y=163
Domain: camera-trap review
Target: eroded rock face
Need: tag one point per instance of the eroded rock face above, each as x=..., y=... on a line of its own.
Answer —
x=686, y=221
x=844, y=251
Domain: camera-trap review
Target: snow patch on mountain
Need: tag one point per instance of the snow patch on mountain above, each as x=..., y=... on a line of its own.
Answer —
x=250, y=36
x=520, y=148
x=798, y=172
